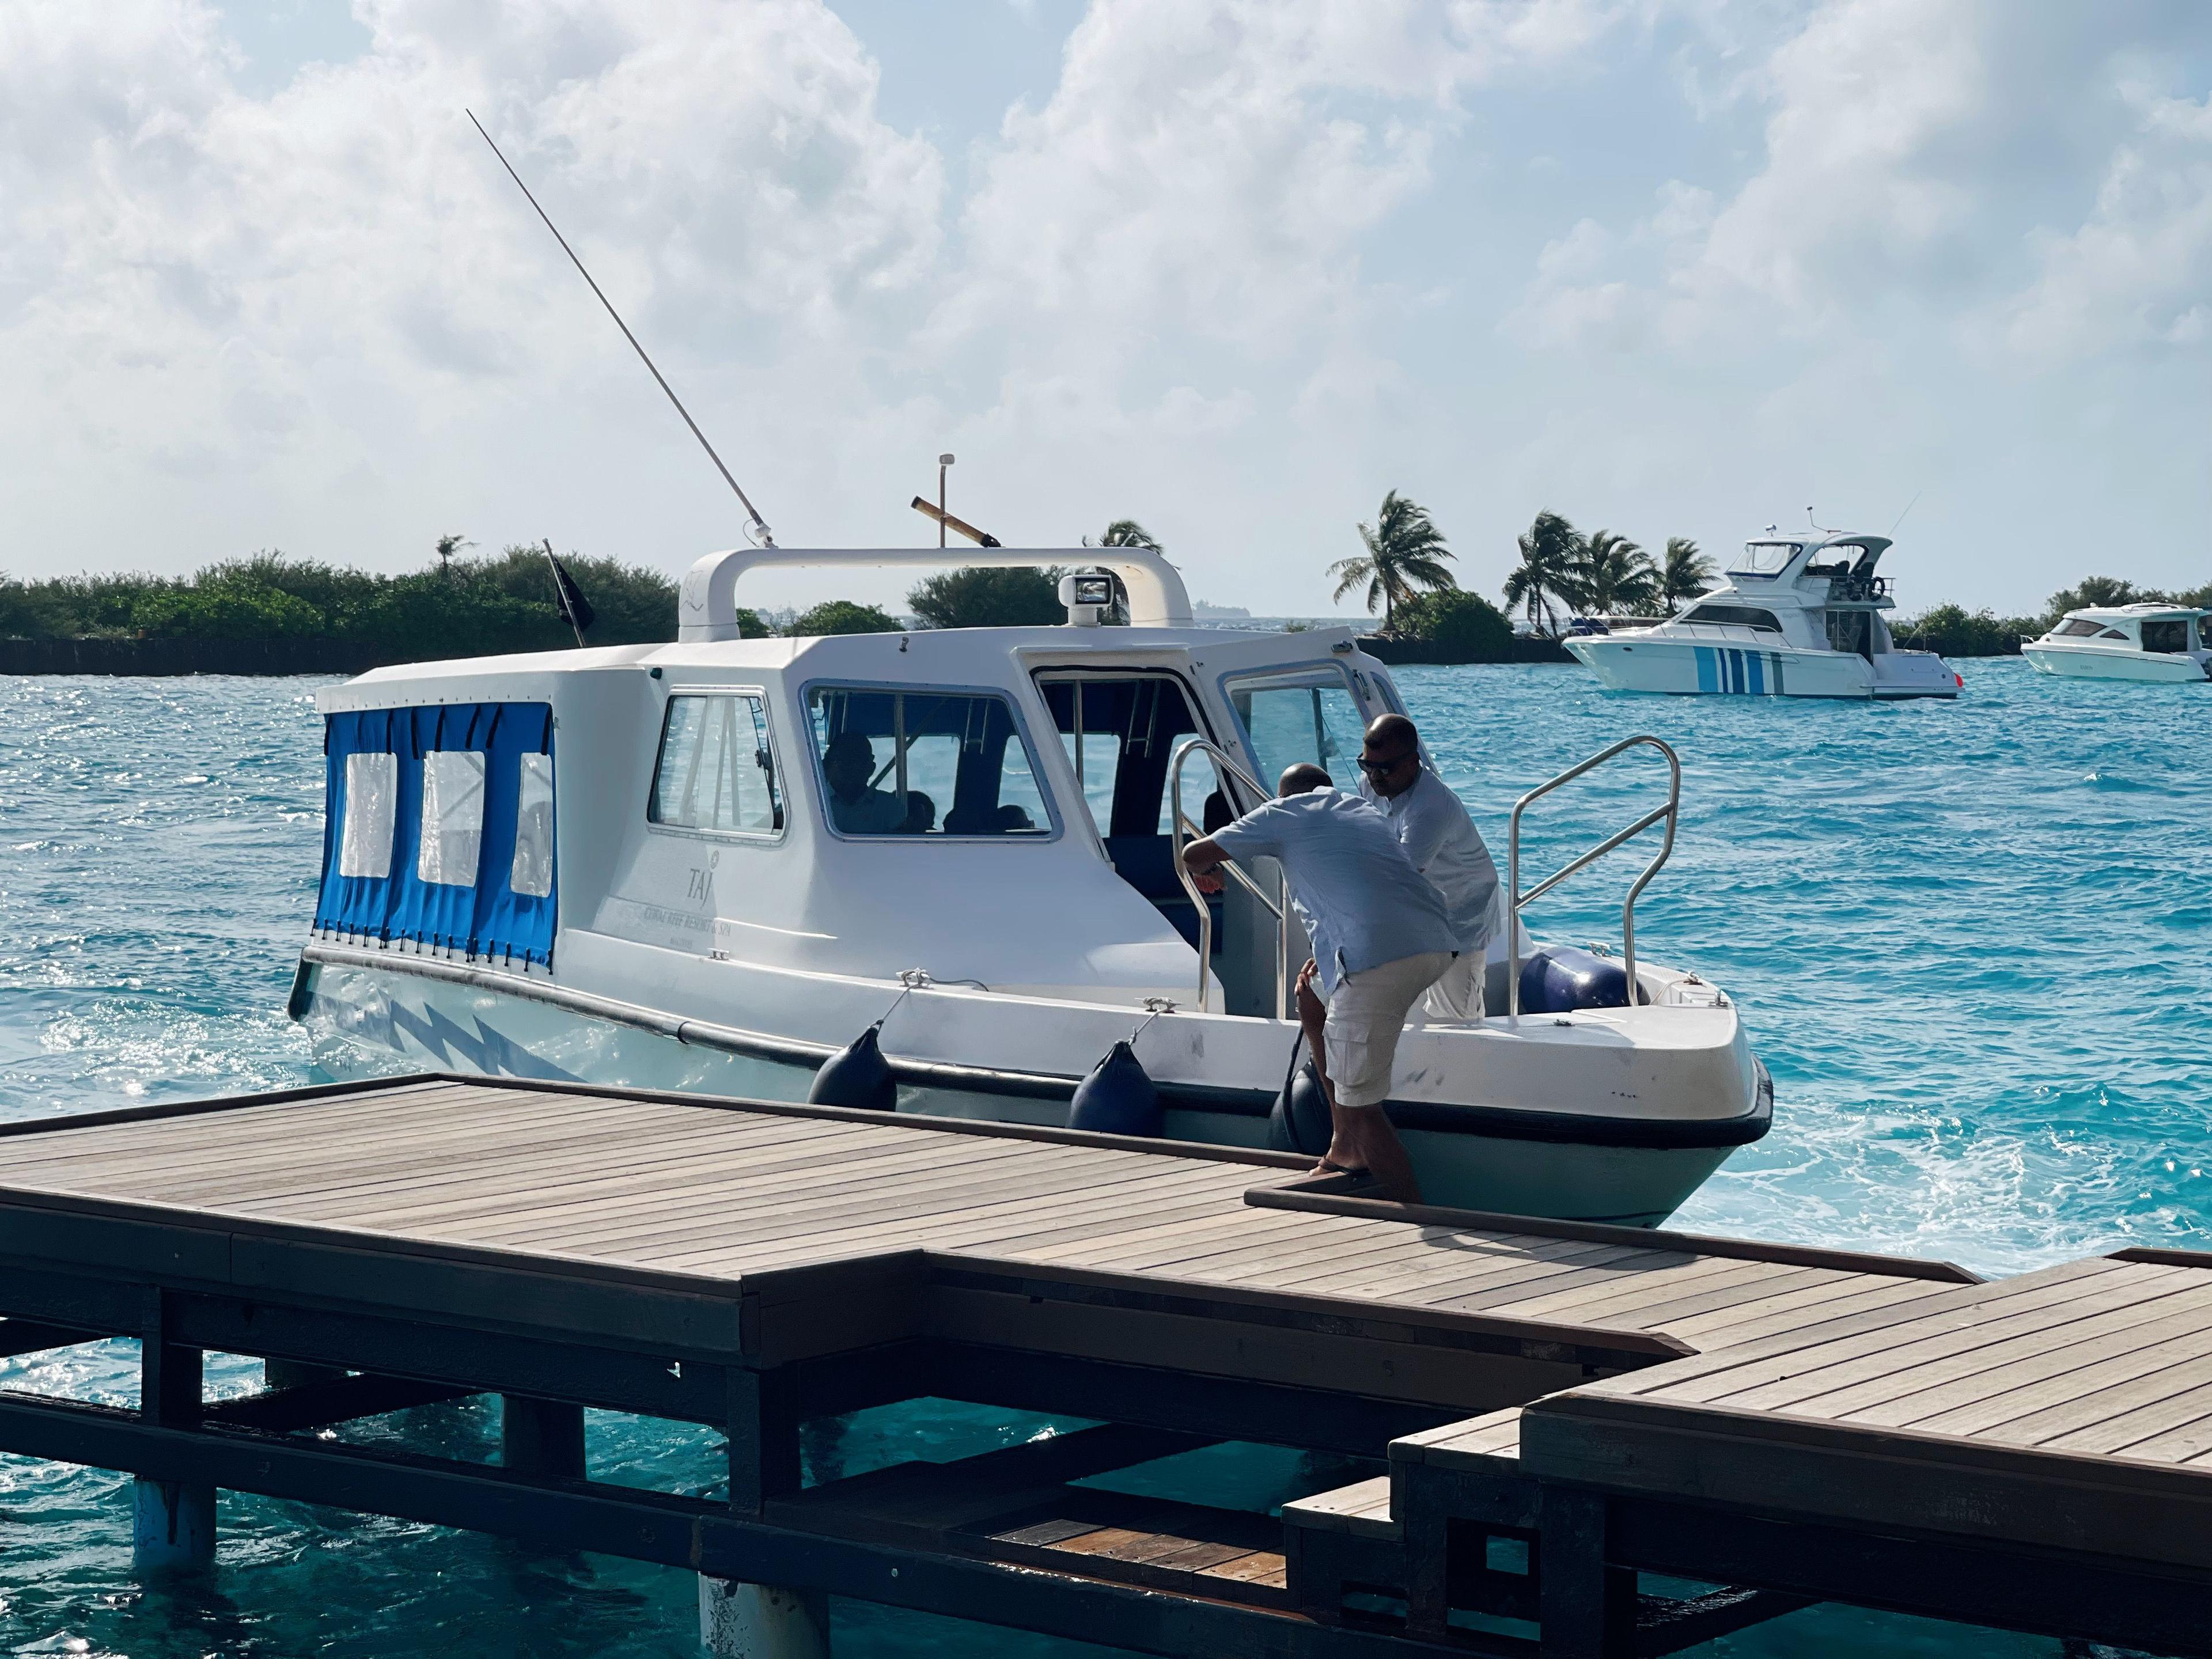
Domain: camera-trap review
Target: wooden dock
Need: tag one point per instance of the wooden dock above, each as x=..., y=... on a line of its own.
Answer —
x=1550, y=1408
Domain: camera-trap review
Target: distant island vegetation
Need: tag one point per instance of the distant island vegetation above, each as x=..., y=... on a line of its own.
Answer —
x=464, y=604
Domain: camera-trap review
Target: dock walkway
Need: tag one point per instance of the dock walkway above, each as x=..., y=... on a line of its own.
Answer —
x=1776, y=1421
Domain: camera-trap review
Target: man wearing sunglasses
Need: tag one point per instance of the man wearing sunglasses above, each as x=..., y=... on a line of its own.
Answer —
x=1443, y=844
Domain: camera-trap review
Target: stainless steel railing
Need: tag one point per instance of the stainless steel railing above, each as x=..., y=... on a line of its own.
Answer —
x=1669, y=813
x=1224, y=769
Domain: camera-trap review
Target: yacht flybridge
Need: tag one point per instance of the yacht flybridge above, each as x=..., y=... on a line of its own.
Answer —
x=712, y=865
x=2141, y=641
x=1797, y=617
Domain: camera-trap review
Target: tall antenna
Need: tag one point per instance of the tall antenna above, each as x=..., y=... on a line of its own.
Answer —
x=759, y=526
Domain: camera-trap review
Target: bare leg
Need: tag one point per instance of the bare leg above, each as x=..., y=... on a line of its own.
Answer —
x=1378, y=1147
x=1313, y=1016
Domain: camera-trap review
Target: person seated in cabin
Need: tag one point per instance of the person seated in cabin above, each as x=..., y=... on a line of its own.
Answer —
x=920, y=814
x=1381, y=937
x=856, y=805
x=1012, y=820
x=1434, y=828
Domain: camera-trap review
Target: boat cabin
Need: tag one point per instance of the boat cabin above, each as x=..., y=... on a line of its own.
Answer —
x=1814, y=593
x=2166, y=628
x=857, y=803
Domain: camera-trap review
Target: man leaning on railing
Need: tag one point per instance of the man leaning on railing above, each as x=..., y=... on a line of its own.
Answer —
x=1381, y=937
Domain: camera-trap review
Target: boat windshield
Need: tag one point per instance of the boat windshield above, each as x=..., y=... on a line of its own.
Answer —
x=1300, y=715
x=1765, y=558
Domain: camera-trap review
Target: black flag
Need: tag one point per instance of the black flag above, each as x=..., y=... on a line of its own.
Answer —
x=575, y=609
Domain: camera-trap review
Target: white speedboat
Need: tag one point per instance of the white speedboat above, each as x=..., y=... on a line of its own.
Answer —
x=1797, y=617
x=2140, y=642
x=713, y=864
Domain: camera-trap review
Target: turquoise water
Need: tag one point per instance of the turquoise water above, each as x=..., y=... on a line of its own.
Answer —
x=1972, y=942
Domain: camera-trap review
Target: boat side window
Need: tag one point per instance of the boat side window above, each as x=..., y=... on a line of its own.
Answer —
x=1736, y=616
x=452, y=816
x=924, y=763
x=2165, y=633
x=716, y=771
x=531, y=871
x=2112, y=634
x=2080, y=627
x=1302, y=715
x=2204, y=631
x=371, y=798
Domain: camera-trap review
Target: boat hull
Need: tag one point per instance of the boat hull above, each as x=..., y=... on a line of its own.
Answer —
x=364, y=1020
x=2089, y=663
x=1695, y=668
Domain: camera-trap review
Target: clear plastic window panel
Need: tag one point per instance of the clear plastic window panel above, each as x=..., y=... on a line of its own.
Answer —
x=531, y=872
x=1307, y=717
x=452, y=816
x=924, y=764
x=716, y=771
x=372, y=796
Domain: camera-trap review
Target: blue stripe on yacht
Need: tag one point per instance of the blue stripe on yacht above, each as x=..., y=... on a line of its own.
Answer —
x=1709, y=678
x=1758, y=672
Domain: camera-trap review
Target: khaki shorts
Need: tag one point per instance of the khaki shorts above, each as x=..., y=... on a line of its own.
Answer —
x=1456, y=997
x=1365, y=1014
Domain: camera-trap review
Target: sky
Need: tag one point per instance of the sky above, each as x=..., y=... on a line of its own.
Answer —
x=1234, y=268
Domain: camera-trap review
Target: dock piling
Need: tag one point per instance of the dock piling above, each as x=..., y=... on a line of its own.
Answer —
x=759, y=1622
x=541, y=1437
x=172, y=1527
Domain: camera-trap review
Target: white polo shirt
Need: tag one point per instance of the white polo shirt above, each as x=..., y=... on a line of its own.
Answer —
x=1362, y=900
x=1433, y=827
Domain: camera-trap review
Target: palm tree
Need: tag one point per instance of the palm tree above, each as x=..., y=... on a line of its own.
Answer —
x=448, y=545
x=1616, y=576
x=1687, y=573
x=1551, y=552
x=1124, y=532
x=1404, y=550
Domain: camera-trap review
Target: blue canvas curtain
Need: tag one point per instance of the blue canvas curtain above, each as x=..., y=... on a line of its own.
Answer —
x=488, y=919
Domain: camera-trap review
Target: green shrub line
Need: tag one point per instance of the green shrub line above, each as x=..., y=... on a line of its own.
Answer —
x=470, y=607
x=504, y=603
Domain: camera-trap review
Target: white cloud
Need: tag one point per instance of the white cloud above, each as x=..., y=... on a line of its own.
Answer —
x=1853, y=192
x=338, y=276
x=2138, y=271
x=1215, y=165
x=1237, y=268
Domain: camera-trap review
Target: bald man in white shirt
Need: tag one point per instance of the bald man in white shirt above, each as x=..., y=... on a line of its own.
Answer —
x=1441, y=839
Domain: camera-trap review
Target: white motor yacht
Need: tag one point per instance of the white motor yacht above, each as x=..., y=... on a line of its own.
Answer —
x=2141, y=641
x=1797, y=617
x=714, y=865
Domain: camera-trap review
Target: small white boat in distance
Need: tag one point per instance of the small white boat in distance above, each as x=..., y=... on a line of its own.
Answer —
x=1796, y=616
x=2140, y=642
x=713, y=864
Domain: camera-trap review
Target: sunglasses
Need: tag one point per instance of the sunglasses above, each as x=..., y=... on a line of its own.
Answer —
x=1381, y=769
